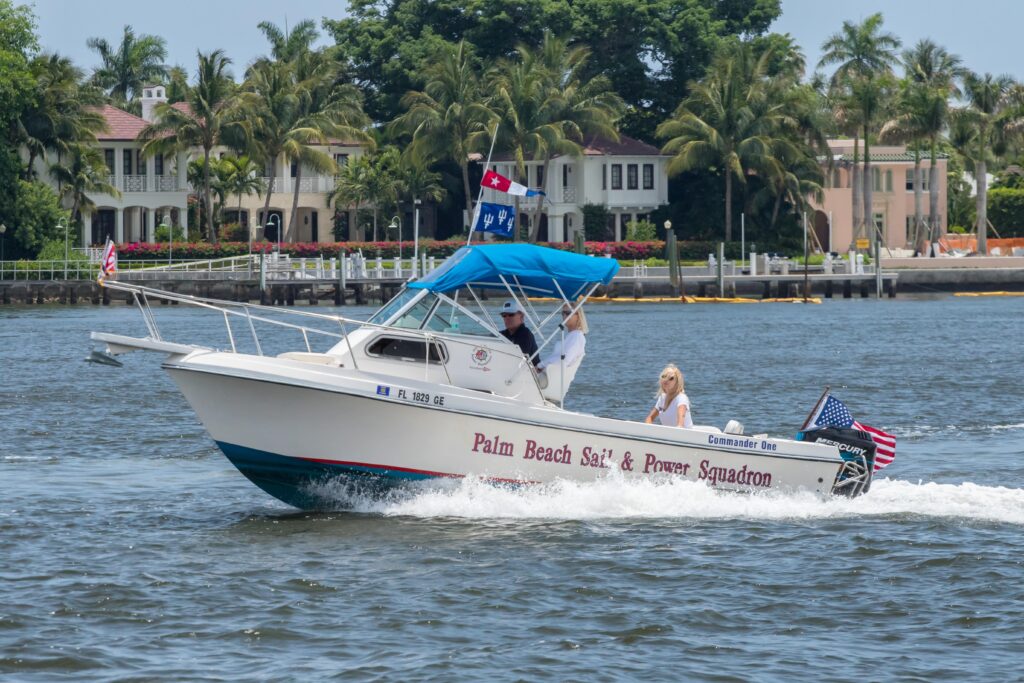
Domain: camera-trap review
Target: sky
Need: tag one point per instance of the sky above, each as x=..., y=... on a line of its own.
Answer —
x=985, y=33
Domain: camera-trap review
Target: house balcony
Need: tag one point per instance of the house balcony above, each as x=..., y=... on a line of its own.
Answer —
x=142, y=183
x=307, y=184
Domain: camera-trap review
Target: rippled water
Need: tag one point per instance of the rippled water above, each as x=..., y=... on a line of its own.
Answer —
x=130, y=549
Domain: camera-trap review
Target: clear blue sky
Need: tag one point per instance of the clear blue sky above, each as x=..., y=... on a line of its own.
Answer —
x=985, y=33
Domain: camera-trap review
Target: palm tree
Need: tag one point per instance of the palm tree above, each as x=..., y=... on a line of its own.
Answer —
x=58, y=116
x=212, y=114
x=581, y=106
x=82, y=173
x=328, y=109
x=733, y=120
x=911, y=125
x=285, y=45
x=933, y=68
x=241, y=177
x=352, y=188
x=416, y=182
x=990, y=113
x=865, y=57
x=448, y=119
x=137, y=61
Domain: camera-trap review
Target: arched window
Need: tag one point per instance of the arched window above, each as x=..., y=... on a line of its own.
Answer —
x=888, y=181
x=876, y=178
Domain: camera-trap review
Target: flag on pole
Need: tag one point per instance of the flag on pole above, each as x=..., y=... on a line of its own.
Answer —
x=494, y=181
x=497, y=218
x=833, y=413
x=108, y=262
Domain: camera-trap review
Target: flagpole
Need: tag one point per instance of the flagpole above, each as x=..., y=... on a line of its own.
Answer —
x=480, y=193
x=815, y=408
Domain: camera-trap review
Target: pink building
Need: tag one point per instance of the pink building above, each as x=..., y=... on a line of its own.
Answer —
x=892, y=170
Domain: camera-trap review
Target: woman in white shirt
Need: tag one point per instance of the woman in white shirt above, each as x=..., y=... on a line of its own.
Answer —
x=673, y=406
x=574, y=344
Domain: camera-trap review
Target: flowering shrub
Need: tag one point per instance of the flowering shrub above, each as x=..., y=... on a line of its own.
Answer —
x=625, y=251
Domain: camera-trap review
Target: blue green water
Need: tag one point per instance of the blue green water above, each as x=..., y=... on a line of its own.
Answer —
x=130, y=549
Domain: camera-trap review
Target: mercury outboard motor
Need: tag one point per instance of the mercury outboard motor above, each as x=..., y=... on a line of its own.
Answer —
x=858, y=453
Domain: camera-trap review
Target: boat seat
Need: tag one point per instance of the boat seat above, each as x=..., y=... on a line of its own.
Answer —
x=313, y=358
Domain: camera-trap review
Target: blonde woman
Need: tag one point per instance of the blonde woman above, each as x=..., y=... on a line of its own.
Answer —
x=575, y=345
x=673, y=406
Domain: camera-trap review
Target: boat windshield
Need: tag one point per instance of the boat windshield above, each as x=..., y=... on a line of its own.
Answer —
x=454, y=320
x=394, y=306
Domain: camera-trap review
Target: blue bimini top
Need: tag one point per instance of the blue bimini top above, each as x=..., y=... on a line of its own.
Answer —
x=535, y=269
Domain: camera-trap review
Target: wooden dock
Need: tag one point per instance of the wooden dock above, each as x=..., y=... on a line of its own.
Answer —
x=380, y=289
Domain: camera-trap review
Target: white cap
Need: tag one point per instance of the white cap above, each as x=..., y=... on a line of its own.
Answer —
x=511, y=306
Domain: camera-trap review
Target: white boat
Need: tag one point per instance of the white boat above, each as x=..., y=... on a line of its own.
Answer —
x=428, y=388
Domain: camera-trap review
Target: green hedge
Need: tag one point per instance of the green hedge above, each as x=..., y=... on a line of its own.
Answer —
x=1006, y=210
x=689, y=251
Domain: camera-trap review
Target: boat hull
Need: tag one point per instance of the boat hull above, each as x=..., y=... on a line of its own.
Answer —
x=290, y=437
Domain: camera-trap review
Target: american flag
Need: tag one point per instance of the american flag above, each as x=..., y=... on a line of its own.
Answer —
x=833, y=413
x=108, y=262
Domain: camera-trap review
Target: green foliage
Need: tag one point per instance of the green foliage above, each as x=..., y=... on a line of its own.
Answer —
x=1006, y=210
x=35, y=217
x=161, y=233
x=595, y=222
x=54, y=250
x=649, y=49
x=18, y=42
x=641, y=231
x=960, y=204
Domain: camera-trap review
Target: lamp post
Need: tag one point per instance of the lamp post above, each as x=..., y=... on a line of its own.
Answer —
x=61, y=223
x=416, y=236
x=3, y=240
x=396, y=222
x=272, y=219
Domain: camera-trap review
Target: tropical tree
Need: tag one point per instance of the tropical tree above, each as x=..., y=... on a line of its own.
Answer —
x=125, y=70
x=416, y=183
x=864, y=56
x=936, y=71
x=911, y=125
x=58, y=116
x=82, y=172
x=988, y=116
x=288, y=45
x=580, y=106
x=449, y=119
x=735, y=120
x=211, y=115
x=328, y=109
x=240, y=176
x=352, y=188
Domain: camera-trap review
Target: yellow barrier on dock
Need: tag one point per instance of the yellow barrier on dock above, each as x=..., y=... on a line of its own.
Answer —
x=689, y=300
x=988, y=294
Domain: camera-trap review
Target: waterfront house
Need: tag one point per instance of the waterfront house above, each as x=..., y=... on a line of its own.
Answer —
x=627, y=177
x=152, y=189
x=892, y=173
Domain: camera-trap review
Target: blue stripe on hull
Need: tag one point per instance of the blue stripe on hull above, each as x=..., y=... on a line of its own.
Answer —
x=294, y=480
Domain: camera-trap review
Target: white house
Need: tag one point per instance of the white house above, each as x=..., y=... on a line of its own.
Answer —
x=628, y=177
x=153, y=190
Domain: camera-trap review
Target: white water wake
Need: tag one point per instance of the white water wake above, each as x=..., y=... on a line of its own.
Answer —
x=613, y=498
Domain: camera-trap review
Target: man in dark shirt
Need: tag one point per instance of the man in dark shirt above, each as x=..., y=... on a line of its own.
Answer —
x=516, y=332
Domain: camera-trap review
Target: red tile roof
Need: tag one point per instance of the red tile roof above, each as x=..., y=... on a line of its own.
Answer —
x=120, y=124
x=183, y=107
x=595, y=146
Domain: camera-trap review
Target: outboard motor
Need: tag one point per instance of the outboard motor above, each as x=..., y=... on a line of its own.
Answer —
x=858, y=453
